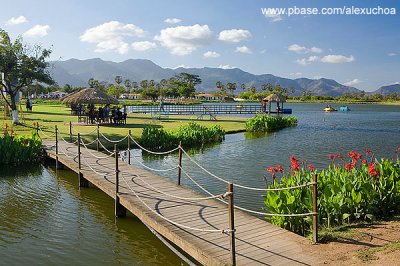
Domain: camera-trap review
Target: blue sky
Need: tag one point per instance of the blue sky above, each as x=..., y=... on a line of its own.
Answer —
x=358, y=50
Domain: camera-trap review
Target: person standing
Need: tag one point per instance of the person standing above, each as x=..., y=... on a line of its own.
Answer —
x=162, y=105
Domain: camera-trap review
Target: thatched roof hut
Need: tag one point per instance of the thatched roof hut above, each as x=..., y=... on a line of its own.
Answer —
x=275, y=98
x=89, y=96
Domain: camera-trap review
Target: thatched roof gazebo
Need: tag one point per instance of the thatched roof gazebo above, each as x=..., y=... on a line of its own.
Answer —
x=89, y=96
x=275, y=98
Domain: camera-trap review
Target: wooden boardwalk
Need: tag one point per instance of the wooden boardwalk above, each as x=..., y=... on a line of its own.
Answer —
x=257, y=241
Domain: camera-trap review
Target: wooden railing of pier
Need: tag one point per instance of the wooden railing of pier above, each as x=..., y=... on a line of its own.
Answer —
x=210, y=229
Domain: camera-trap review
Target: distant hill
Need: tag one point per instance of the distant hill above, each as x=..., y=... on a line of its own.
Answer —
x=77, y=73
x=389, y=89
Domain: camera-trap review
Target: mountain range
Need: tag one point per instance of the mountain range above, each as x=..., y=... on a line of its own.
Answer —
x=77, y=73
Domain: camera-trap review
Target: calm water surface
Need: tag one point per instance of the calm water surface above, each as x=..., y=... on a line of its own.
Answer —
x=46, y=219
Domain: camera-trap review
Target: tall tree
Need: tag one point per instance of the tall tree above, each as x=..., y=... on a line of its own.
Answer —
x=20, y=65
x=118, y=80
x=243, y=86
x=186, y=83
x=128, y=85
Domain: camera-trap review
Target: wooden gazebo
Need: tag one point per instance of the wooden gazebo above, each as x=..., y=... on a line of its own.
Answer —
x=89, y=96
x=278, y=99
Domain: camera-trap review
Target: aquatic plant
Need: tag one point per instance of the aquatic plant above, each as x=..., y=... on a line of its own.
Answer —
x=192, y=134
x=356, y=187
x=264, y=122
x=17, y=150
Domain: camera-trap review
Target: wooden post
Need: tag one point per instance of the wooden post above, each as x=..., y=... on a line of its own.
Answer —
x=315, y=210
x=70, y=131
x=180, y=163
x=37, y=128
x=82, y=181
x=129, y=147
x=120, y=211
x=56, y=130
x=231, y=210
x=98, y=137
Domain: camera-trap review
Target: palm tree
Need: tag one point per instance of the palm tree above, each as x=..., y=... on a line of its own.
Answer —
x=151, y=83
x=135, y=86
x=243, y=86
x=118, y=80
x=144, y=84
x=128, y=85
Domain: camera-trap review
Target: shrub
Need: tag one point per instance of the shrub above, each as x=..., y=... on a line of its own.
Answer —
x=264, y=122
x=190, y=135
x=357, y=190
x=17, y=150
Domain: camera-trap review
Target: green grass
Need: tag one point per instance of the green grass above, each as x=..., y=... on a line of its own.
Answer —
x=370, y=253
x=49, y=115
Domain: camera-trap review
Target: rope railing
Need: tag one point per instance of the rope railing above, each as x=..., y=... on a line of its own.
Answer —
x=92, y=154
x=171, y=221
x=153, y=152
x=44, y=134
x=153, y=169
x=84, y=134
x=113, y=141
x=223, y=195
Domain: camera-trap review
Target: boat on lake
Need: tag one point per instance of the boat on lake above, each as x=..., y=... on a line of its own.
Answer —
x=344, y=109
x=329, y=109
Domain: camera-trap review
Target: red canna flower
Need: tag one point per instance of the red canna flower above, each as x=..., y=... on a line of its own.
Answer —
x=311, y=167
x=331, y=156
x=364, y=161
x=352, y=154
x=359, y=155
x=271, y=169
x=339, y=156
x=348, y=166
x=279, y=168
x=372, y=171
x=368, y=151
x=354, y=159
x=295, y=163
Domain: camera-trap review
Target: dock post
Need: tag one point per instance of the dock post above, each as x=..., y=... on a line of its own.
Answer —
x=37, y=128
x=56, y=131
x=82, y=181
x=120, y=211
x=70, y=131
x=315, y=210
x=129, y=147
x=231, y=209
x=98, y=137
x=180, y=163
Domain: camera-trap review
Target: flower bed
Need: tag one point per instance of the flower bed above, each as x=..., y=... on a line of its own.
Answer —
x=355, y=187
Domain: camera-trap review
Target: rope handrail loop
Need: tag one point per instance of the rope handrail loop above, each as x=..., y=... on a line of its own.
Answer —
x=107, y=150
x=84, y=134
x=46, y=136
x=242, y=186
x=275, y=214
x=113, y=141
x=222, y=195
x=89, y=143
x=153, y=169
x=66, y=141
x=173, y=222
x=95, y=156
x=153, y=152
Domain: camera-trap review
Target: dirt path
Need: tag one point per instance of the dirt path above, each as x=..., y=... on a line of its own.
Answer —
x=375, y=244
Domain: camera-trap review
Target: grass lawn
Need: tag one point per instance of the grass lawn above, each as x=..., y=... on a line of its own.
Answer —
x=57, y=114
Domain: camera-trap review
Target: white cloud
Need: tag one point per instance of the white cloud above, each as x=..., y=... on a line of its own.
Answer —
x=308, y=60
x=296, y=74
x=243, y=49
x=37, y=31
x=110, y=36
x=17, y=20
x=172, y=20
x=336, y=59
x=302, y=49
x=183, y=40
x=352, y=82
x=211, y=54
x=143, y=46
x=225, y=67
x=391, y=54
x=272, y=16
x=234, y=35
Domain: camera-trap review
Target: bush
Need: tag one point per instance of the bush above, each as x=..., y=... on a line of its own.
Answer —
x=358, y=190
x=264, y=122
x=17, y=150
x=190, y=135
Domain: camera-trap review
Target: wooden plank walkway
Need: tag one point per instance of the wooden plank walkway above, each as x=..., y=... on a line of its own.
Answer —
x=257, y=241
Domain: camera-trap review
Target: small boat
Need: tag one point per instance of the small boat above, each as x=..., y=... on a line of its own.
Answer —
x=329, y=109
x=344, y=109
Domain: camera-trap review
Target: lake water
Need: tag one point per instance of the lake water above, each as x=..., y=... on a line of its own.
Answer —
x=46, y=219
